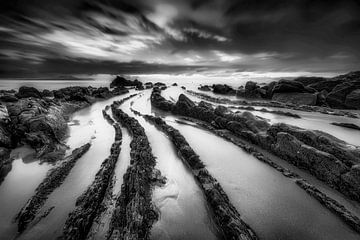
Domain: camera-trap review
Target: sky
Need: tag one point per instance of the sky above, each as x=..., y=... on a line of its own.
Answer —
x=44, y=37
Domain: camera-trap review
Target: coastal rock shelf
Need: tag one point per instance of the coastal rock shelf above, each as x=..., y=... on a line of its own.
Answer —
x=39, y=119
x=326, y=157
x=305, y=108
x=134, y=212
x=334, y=206
x=227, y=218
x=88, y=205
x=323, y=155
x=54, y=179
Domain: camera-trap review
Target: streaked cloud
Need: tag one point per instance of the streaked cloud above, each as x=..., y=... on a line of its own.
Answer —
x=234, y=35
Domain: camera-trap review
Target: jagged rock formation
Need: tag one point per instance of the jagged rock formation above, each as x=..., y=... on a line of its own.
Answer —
x=331, y=204
x=54, y=179
x=80, y=220
x=305, y=108
x=39, y=119
x=326, y=157
x=226, y=217
x=347, y=125
x=134, y=212
x=341, y=92
x=122, y=82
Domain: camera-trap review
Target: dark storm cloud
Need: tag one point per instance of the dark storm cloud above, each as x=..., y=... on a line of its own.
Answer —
x=164, y=35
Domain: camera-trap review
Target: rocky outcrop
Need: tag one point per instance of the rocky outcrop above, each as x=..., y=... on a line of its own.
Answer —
x=326, y=157
x=349, y=218
x=305, y=108
x=79, y=221
x=53, y=180
x=278, y=112
x=159, y=101
x=337, y=97
x=123, y=82
x=339, y=92
x=223, y=89
x=41, y=124
x=5, y=162
x=352, y=100
x=40, y=119
x=205, y=88
x=27, y=92
x=134, y=212
x=347, y=125
x=296, y=98
x=148, y=85
x=227, y=218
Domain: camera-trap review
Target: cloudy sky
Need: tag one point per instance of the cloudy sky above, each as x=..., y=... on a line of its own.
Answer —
x=40, y=37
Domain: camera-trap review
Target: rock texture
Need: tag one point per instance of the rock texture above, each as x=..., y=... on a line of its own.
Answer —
x=134, y=212
x=54, y=179
x=349, y=218
x=326, y=157
x=305, y=108
x=347, y=125
x=79, y=221
x=223, y=89
x=122, y=82
x=226, y=217
x=39, y=119
x=341, y=92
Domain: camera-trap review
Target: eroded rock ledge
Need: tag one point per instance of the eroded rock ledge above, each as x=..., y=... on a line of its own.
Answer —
x=334, y=206
x=326, y=157
x=226, y=217
x=88, y=205
x=54, y=179
x=39, y=119
x=134, y=212
x=305, y=108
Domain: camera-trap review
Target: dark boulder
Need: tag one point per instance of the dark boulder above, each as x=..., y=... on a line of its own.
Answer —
x=8, y=98
x=347, y=125
x=310, y=80
x=337, y=97
x=101, y=92
x=123, y=82
x=223, y=89
x=296, y=98
x=149, y=85
x=26, y=92
x=287, y=86
x=183, y=105
x=205, y=88
x=47, y=93
x=352, y=100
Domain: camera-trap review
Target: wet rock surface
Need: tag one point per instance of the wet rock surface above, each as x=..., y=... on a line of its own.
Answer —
x=331, y=204
x=134, y=212
x=226, y=217
x=39, y=119
x=123, y=82
x=341, y=92
x=305, y=108
x=54, y=179
x=324, y=156
x=88, y=205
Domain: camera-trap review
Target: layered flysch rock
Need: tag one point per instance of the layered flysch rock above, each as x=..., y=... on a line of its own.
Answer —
x=134, y=212
x=54, y=179
x=349, y=218
x=39, y=119
x=342, y=92
x=305, y=108
x=227, y=218
x=80, y=220
x=326, y=157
